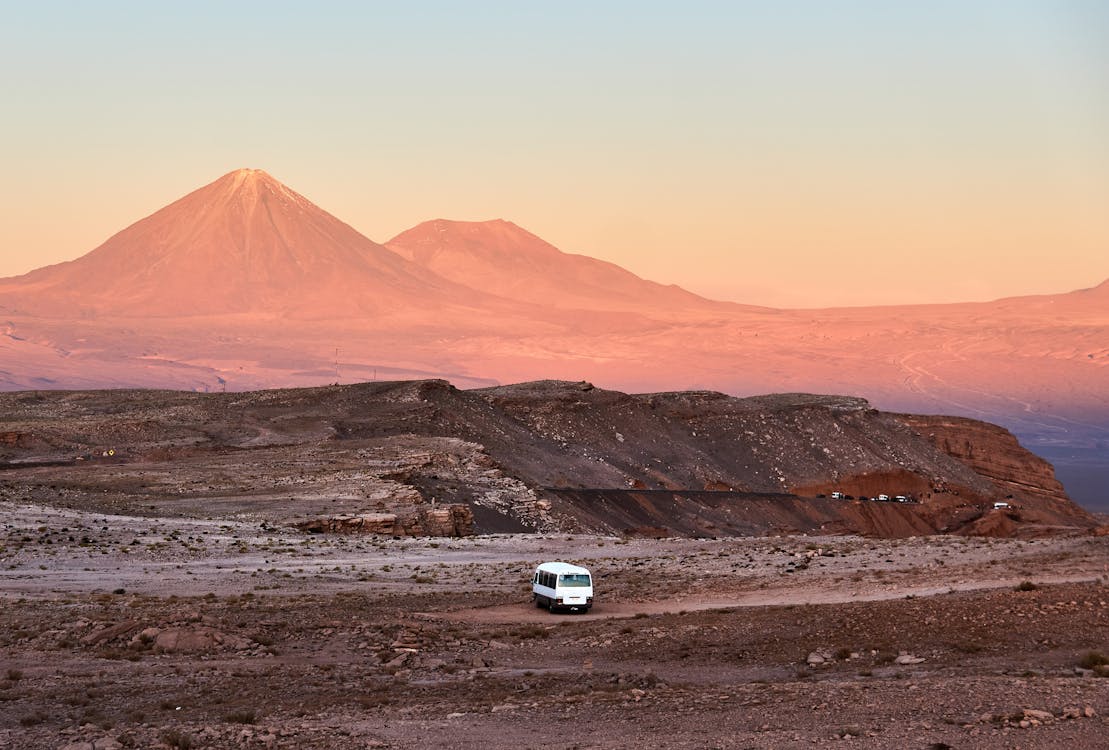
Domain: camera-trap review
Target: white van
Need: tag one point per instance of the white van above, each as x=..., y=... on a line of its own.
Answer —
x=559, y=585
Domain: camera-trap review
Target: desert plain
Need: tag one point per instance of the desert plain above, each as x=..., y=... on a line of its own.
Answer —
x=189, y=632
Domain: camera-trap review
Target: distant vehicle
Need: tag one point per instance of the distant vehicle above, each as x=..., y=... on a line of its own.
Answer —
x=1000, y=505
x=903, y=499
x=559, y=585
x=883, y=498
x=837, y=495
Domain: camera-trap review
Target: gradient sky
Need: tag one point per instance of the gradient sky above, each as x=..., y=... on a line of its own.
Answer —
x=788, y=154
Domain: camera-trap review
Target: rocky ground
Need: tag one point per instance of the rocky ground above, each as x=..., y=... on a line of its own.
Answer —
x=130, y=631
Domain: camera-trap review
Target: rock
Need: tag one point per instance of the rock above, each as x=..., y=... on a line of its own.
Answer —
x=78, y=746
x=815, y=659
x=197, y=639
x=908, y=659
x=1041, y=716
x=110, y=632
x=399, y=660
x=1089, y=712
x=107, y=743
x=456, y=520
x=146, y=635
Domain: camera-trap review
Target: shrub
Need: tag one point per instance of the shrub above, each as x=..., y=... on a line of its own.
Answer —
x=244, y=716
x=1093, y=660
x=1026, y=586
x=177, y=739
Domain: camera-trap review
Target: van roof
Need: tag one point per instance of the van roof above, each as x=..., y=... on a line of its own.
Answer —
x=561, y=568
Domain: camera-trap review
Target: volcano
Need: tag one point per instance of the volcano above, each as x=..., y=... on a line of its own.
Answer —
x=245, y=243
x=501, y=258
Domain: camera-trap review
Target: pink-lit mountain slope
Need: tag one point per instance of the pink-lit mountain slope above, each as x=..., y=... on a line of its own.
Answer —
x=501, y=258
x=243, y=244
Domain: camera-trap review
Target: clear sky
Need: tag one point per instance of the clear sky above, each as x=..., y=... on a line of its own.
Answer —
x=789, y=154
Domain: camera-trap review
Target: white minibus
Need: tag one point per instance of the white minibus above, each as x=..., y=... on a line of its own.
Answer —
x=559, y=585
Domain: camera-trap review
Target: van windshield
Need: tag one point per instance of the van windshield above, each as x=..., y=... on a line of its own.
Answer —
x=574, y=579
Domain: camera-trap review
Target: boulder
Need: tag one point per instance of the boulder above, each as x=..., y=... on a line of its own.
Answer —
x=197, y=639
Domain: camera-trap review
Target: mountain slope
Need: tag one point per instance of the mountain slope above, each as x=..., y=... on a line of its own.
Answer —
x=244, y=243
x=501, y=258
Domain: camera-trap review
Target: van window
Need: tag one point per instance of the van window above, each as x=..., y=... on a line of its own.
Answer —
x=573, y=580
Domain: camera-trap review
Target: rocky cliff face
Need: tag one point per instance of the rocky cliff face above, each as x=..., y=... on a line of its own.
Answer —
x=454, y=520
x=992, y=452
x=547, y=455
x=1027, y=481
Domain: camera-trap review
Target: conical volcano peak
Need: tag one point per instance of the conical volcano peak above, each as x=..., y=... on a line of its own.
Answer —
x=250, y=184
x=242, y=243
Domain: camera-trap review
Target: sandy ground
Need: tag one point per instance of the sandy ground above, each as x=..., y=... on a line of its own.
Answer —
x=146, y=632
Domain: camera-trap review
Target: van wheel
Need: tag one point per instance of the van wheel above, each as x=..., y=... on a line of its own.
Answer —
x=551, y=606
x=538, y=601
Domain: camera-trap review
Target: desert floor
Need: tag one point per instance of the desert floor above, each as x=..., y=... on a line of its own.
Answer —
x=120, y=631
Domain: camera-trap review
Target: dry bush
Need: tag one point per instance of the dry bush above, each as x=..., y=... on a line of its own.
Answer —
x=175, y=738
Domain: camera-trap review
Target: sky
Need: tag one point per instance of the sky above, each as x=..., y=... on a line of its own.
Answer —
x=793, y=154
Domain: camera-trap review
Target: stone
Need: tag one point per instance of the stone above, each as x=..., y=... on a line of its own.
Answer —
x=814, y=659
x=197, y=639
x=908, y=659
x=111, y=632
x=455, y=520
x=1041, y=716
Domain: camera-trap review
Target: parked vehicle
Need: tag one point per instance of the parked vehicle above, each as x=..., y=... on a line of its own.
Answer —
x=837, y=495
x=559, y=585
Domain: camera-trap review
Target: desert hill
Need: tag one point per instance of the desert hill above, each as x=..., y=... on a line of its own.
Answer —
x=547, y=455
x=245, y=284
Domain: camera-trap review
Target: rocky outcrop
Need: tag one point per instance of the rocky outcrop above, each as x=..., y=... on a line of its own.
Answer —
x=452, y=521
x=1022, y=479
x=388, y=457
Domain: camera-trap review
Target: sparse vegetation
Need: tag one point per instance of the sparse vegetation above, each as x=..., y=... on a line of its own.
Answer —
x=177, y=739
x=1096, y=661
x=241, y=716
